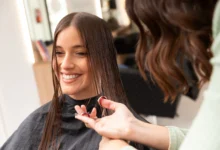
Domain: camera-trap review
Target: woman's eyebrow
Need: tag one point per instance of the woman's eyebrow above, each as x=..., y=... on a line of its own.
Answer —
x=73, y=47
x=58, y=47
x=78, y=46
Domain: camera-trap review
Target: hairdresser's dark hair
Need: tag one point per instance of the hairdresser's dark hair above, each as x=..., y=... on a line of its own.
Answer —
x=171, y=30
x=98, y=41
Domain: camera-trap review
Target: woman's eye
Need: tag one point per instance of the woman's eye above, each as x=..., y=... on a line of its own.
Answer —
x=81, y=53
x=59, y=53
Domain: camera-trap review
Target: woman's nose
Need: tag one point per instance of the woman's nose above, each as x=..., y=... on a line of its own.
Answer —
x=67, y=62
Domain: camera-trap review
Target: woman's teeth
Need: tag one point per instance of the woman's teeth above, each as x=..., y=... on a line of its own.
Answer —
x=68, y=77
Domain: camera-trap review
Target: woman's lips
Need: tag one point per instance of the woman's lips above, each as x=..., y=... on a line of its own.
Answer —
x=69, y=78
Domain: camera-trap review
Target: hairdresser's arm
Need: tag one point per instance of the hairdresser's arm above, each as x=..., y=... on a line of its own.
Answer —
x=177, y=135
x=123, y=125
x=159, y=137
x=204, y=133
x=152, y=135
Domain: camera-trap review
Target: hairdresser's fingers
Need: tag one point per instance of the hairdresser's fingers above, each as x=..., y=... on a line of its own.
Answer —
x=105, y=103
x=93, y=113
x=88, y=121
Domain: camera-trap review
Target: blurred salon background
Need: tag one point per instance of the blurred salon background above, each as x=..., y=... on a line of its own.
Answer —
x=27, y=28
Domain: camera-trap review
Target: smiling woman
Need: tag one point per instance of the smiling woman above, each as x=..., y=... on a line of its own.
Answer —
x=84, y=67
x=72, y=60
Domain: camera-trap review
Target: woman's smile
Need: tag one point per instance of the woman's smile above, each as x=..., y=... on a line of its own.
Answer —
x=69, y=78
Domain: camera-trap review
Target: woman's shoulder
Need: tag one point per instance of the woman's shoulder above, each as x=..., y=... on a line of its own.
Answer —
x=39, y=114
x=29, y=132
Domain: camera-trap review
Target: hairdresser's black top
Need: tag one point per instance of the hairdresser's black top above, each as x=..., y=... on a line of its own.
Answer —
x=74, y=136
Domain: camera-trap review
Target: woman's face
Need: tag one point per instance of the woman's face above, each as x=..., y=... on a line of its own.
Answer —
x=72, y=59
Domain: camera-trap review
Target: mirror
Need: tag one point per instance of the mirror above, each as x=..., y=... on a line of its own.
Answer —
x=43, y=15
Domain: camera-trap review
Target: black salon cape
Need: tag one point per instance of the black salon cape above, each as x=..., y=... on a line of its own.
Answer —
x=75, y=136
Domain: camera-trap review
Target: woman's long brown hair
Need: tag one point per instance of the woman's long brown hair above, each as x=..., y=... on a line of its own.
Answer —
x=98, y=41
x=171, y=30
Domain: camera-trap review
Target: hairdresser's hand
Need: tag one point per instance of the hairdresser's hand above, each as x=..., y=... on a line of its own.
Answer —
x=116, y=125
x=123, y=125
x=110, y=144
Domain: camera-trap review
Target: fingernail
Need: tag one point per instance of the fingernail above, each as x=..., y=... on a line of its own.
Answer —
x=85, y=114
x=100, y=99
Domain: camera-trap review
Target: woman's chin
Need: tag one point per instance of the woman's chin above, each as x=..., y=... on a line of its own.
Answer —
x=68, y=92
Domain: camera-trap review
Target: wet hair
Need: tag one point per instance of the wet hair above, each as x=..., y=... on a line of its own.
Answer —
x=171, y=30
x=98, y=41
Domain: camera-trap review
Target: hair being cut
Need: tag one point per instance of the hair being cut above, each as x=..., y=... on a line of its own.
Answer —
x=172, y=30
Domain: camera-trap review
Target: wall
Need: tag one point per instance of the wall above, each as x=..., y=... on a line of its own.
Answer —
x=18, y=92
x=2, y=123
